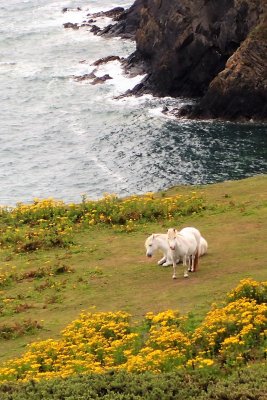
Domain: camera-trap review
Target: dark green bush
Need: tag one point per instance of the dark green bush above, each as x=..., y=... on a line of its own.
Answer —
x=244, y=384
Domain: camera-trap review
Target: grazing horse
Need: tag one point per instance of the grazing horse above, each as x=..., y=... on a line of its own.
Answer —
x=159, y=241
x=183, y=246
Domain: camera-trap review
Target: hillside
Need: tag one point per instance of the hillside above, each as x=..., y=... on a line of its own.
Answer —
x=64, y=267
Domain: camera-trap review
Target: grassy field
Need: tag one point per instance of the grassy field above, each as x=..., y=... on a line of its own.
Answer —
x=107, y=270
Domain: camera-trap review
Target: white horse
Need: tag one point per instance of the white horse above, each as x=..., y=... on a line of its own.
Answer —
x=183, y=246
x=159, y=241
x=193, y=263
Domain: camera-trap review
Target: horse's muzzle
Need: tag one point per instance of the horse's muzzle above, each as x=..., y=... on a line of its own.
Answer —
x=148, y=255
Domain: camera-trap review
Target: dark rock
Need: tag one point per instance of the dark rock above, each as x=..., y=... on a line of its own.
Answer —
x=127, y=21
x=187, y=43
x=71, y=25
x=95, y=29
x=240, y=90
x=165, y=110
x=184, y=46
x=101, y=79
x=184, y=111
x=85, y=76
x=134, y=65
x=106, y=29
x=113, y=13
x=65, y=9
x=105, y=60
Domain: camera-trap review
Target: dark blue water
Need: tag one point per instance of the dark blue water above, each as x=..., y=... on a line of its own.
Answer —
x=63, y=138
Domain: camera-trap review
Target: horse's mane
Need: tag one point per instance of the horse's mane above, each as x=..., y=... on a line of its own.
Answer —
x=153, y=235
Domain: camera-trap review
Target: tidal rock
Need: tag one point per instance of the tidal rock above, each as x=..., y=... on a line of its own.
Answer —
x=95, y=29
x=127, y=21
x=71, y=25
x=65, y=9
x=113, y=13
x=105, y=60
x=101, y=79
x=85, y=76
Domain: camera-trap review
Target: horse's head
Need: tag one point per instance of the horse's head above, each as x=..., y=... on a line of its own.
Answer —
x=172, y=234
x=149, y=245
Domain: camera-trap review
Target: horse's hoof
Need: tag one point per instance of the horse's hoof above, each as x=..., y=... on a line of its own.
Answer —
x=174, y=277
x=186, y=276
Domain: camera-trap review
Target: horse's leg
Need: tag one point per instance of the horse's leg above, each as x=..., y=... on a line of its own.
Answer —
x=167, y=263
x=192, y=266
x=168, y=260
x=174, y=265
x=162, y=260
x=196, y=259
x=185, y=267
x=189, y=263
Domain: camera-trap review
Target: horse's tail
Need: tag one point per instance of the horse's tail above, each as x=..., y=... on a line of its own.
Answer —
x=196, y=258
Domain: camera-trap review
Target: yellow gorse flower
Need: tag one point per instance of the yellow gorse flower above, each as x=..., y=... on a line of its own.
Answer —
x=103, y=341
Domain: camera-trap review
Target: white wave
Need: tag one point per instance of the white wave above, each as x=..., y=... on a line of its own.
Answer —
x=158, y=112
x=106, y=170
x=120, y=80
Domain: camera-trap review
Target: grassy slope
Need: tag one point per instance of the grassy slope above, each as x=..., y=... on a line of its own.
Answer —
x=111, y=271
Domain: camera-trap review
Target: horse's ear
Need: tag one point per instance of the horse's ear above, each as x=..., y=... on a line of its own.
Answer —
x=153, y=235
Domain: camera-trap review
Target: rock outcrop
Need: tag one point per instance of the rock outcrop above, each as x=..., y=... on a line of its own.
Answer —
x=240, y=90
x=212, y=49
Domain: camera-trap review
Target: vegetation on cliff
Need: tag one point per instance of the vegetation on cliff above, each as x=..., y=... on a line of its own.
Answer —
x=77, y=285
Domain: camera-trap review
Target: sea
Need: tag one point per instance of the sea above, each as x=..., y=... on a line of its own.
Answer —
x=65, y=139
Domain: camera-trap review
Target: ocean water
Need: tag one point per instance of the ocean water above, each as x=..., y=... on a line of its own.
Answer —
x=63, y=138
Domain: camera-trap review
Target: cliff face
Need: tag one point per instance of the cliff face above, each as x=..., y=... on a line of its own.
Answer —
x=240, y=90
x=205, y=48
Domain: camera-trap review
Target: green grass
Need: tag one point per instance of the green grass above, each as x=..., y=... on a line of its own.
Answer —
x=107, y=270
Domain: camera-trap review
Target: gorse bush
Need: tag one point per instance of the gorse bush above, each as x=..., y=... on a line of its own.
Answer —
x=230, y=335
x=49, y=223
x=246, y=384
x=249, y=289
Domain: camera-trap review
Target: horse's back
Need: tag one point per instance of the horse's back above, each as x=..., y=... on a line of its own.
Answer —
x=193, y=231
x=190, y=242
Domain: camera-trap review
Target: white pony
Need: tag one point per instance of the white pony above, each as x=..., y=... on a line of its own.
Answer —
x=159, y=241
x=185, y=246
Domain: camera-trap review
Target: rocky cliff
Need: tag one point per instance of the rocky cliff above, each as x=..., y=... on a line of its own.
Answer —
x=240, y=90
x=211, y=49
